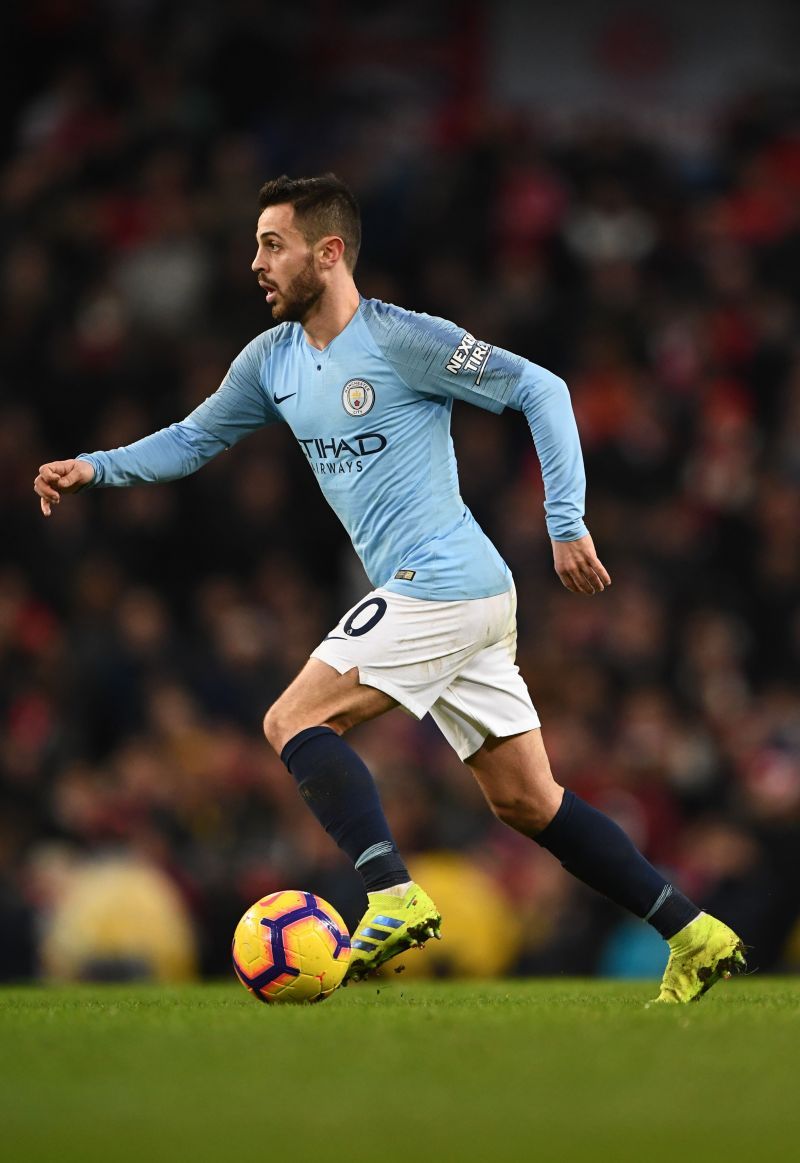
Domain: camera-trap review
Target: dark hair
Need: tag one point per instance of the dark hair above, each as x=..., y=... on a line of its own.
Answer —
x=322, y=205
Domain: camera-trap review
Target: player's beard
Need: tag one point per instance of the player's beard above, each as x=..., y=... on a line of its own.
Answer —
x=303, y=293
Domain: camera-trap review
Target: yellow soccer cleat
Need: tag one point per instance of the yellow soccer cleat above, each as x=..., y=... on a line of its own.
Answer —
x=704, y=952
x=391, y=925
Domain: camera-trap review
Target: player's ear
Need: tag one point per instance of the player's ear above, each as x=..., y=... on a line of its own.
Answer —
x=330, y=250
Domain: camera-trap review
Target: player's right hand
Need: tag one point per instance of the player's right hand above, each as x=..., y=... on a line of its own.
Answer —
x=60, y=476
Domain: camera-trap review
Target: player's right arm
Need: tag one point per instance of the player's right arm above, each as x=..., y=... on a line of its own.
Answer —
x=238, y=407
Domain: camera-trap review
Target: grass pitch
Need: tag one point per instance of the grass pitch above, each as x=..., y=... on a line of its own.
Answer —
x=544, y=1070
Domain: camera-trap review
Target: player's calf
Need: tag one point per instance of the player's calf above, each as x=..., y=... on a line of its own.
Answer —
x=338, y=788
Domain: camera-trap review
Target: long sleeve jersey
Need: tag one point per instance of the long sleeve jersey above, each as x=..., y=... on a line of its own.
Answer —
x=371, y=414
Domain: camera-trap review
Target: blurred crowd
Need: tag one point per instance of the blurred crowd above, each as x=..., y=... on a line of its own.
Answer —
x=144, y=632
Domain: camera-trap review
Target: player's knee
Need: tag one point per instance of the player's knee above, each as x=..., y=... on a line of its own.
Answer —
x=342, y=721
x=281, y=724
x=278, y=727
x=530, y=811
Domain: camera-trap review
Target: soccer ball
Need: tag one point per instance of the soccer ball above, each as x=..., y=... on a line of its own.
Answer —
x=291, y=947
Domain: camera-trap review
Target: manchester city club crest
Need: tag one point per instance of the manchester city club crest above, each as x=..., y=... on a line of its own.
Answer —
x=358, y=397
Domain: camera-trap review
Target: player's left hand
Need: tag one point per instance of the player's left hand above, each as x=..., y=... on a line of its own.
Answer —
x=579, y=567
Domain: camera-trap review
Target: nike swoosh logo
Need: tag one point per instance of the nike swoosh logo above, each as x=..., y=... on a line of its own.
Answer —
x=338, y=637
x=280, y=399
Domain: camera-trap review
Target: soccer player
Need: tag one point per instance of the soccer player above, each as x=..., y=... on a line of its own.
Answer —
x=366, y=389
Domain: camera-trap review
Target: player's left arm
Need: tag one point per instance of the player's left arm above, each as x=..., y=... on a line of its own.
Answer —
x=545, y=400
x=438, y=359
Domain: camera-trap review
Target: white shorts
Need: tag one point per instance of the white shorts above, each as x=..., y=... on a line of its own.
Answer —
x=452, y=659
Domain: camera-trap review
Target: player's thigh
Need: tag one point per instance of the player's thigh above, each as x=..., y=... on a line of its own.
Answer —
x=414, y=649
x=487, y=698
x=514, y=774
x=320, y=696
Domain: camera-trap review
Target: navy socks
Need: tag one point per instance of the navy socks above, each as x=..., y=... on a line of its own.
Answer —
x=597, y=851
x=341, y=793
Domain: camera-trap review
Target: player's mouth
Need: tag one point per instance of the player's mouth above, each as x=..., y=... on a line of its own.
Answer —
x=271, y=291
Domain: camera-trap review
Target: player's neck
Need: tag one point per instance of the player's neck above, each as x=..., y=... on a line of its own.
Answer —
x=331, y=315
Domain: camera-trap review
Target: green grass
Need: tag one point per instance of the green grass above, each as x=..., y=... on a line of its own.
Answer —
x=539, y=1070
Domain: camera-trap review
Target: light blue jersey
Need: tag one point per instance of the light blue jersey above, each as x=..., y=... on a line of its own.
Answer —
x=371, y=415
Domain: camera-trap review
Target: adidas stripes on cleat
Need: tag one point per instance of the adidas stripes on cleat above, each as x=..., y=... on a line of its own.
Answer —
x=391, y=925
x=704, y=952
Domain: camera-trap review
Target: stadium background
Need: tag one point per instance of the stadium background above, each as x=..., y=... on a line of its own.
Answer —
x=611, y=193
